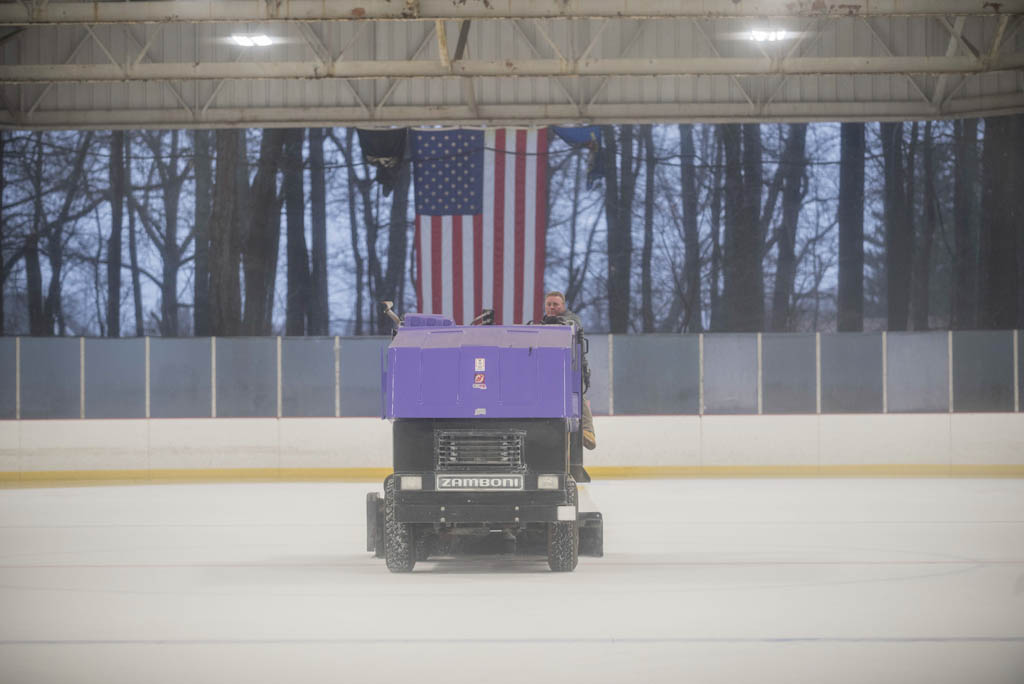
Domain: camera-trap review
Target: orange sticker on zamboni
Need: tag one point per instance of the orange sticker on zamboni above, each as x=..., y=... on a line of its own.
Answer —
x=478, y=378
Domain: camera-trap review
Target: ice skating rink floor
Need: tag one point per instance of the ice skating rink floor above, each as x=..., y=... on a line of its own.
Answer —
x=846, y=580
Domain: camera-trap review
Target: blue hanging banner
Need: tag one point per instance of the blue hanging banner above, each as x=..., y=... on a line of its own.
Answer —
x=589, y=137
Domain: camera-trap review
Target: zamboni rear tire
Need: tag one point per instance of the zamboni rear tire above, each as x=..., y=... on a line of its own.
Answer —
x=399, y=545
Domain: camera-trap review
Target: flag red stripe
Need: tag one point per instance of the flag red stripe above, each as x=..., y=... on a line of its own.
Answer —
x=435, y=264
x=499, y=224
x=478, y=264
x=520, y=235
x=417, y=265
x=540, y=251
x=457, y=269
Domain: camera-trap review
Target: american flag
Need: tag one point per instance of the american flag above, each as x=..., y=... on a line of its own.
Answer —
x=481, y=217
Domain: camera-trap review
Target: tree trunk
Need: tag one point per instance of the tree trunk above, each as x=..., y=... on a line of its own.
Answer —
x=3, y=269
x=692, y=318
x=171, y=250
x=319, y=318
x=619, y=190
x=225, y=297
x=133, y=248
x=572, y=272
x=751, y=292
x=298, y=296
x=1017, y=205
x=743, y=286
x=398, y=244
x=733, y=216
x=850, y=298
x=370, y=230
x=647, y=296
x=53, y=310
x=921, y=281
x=264, y=237
x=34, y=289
x=201, y=280
x=965, y=239
x=998, y=241
x=897, y=236
x=717, y=321
x=794, y=163
x=53, y=307
x=353, y=181
x=114, y=243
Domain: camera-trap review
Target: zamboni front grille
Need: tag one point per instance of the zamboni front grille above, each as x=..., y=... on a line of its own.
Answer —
x=473, y=449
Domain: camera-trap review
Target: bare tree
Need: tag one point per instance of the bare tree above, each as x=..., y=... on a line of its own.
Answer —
x=650, y=162
x=49, y=233
x=346, y=149
x=718, y=318
x=297, y=305
x=203, y=197
x=172, y=170
x=897, y=227
x=620, y=188
x=117, y=194
x=851, y=228
x=3, y=264
x=133, y=248
x=392, y=288
x=318, y=312
x=225, y=294
x=921, y=280
x=793, y=167
x=998, y=282
x=743, y=284
x=692, y=320
x=965, y=207
x=263, y=238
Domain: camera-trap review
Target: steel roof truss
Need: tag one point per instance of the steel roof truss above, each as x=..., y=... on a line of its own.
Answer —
x=800, y=48
x=888, y=50
x=536, y=52
x=206, y=11
x=717, y=53
x=622, y=53
x=395, y=82
x=327, y=61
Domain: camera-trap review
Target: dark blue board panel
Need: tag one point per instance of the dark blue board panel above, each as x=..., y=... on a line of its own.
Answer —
x=115, y=378
x=307, y=376
x=179, y=377
x=851, y=373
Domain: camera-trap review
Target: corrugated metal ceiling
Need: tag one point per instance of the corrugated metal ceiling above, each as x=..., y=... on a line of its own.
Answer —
x=174, y=63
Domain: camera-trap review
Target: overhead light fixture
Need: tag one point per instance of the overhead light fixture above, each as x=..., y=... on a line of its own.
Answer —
x=257, y=39
x=767, y=36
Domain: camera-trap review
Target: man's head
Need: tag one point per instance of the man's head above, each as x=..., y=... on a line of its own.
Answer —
x=554, y=304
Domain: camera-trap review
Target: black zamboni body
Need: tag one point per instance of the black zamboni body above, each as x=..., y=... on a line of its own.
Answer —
x=477, y=476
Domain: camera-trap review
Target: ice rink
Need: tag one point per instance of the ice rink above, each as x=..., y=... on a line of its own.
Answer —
x=846, y=580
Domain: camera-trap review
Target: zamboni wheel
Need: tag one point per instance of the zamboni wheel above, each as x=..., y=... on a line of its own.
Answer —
x=564, y=538
x=399, y=545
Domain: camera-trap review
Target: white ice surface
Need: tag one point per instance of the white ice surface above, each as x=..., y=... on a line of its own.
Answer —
x=703, y=581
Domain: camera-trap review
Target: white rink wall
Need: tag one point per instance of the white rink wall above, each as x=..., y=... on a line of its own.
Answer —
x=355, y=448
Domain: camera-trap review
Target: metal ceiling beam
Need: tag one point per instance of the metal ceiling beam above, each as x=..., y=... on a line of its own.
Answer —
x=201, y=11
x=707, y=66
x=523, y=115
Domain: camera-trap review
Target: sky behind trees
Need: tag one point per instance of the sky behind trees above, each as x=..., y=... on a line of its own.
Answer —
x=754, y=227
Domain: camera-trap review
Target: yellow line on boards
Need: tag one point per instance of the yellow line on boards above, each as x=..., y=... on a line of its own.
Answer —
x=58, y=478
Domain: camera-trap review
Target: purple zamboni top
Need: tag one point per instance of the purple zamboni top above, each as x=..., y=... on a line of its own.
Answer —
x=481, y=371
